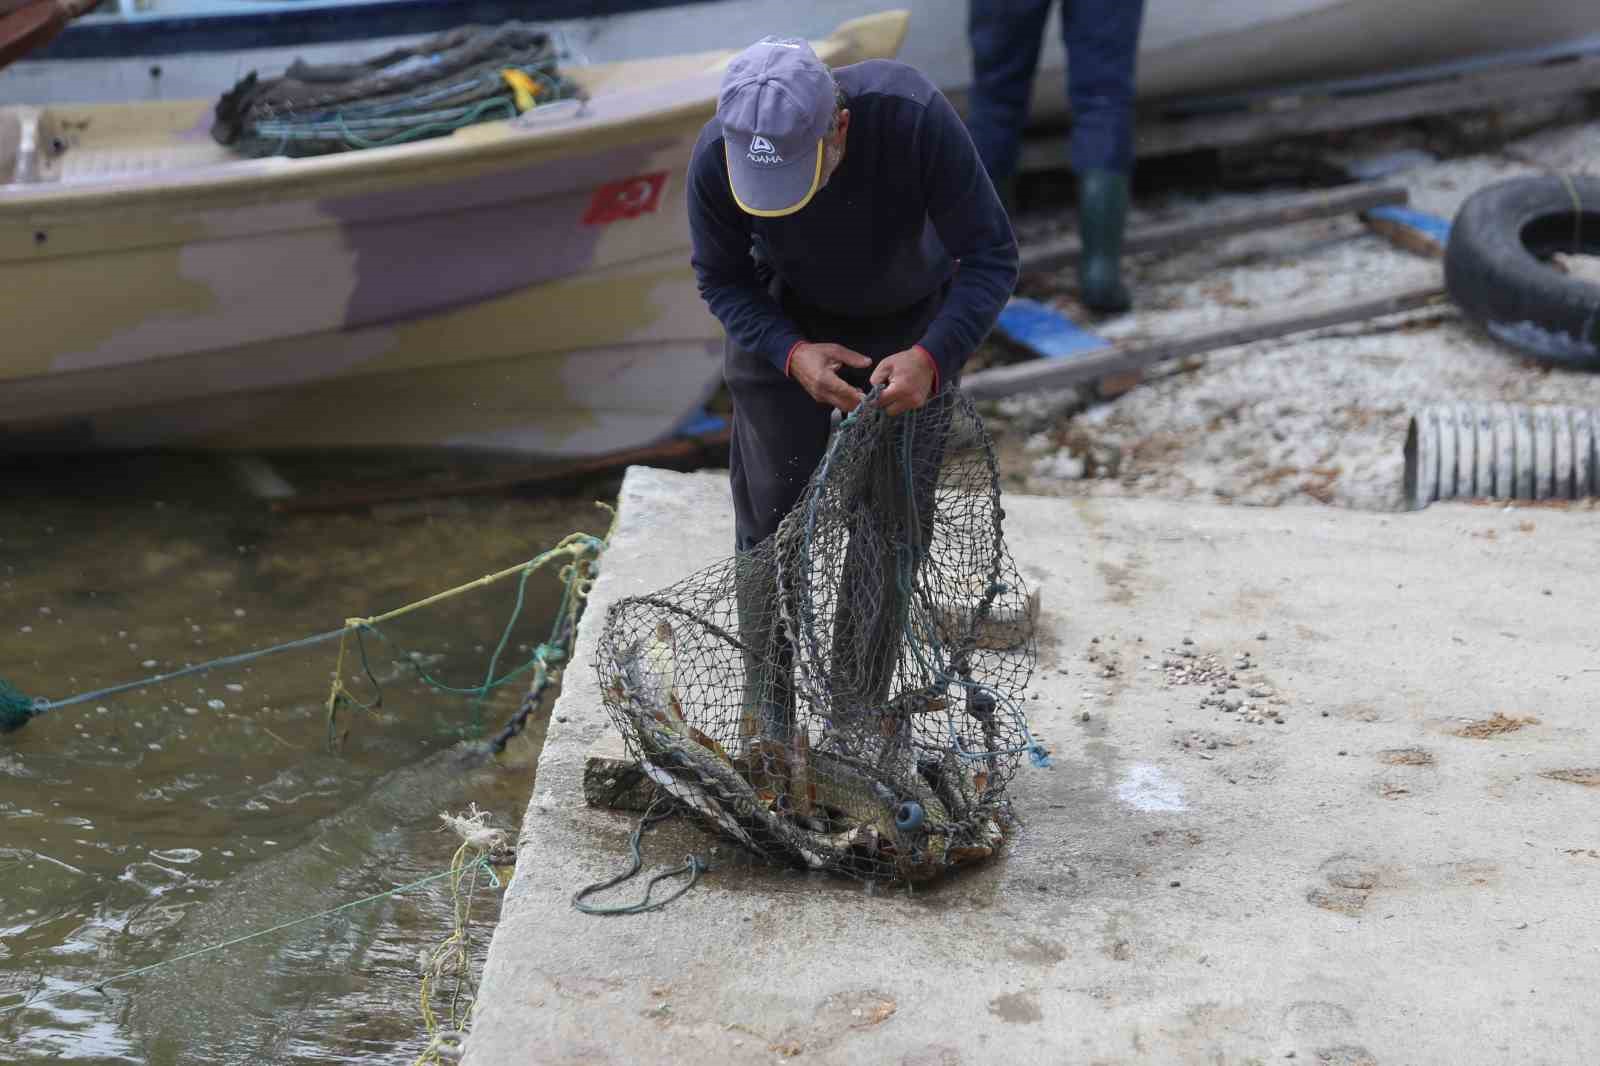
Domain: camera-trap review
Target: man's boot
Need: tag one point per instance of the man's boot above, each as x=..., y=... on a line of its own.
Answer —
x=1102, y=215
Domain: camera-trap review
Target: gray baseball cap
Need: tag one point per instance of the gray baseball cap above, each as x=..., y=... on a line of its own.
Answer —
x=776, y=101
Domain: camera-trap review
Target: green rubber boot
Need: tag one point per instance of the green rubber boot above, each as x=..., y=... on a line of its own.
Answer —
x=1102, y=215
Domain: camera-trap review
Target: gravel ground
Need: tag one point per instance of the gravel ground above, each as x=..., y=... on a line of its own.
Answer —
x=1317, y=418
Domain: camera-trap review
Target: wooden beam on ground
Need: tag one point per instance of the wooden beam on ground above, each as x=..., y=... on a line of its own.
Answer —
x=679, y=449
x=1170, y=235
x=1296, y=116
x=1116, y=360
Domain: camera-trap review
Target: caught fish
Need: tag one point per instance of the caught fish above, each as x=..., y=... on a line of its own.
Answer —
x=647, y=680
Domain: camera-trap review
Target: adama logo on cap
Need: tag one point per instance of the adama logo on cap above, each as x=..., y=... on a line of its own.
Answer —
x=762, y=151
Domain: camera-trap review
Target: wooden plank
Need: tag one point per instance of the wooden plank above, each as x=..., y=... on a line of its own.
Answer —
x=677, y=450
x=613, y=779
x=1169, y=235
x=1117, y=360
x=1280, y=117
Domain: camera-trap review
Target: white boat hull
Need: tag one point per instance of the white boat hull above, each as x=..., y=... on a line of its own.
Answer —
x=1188, y=47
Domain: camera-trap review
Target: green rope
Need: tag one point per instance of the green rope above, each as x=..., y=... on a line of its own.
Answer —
x=17, y=709
x=100, y=985
x=693, y=865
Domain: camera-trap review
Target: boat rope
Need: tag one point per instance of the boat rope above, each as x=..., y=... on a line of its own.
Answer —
x=693, y=866
x=581, y=552
x=453, y=957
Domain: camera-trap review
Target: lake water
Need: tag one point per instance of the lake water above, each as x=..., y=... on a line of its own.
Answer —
x=139, y=827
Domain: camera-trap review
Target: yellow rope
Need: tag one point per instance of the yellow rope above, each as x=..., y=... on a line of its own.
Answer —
x=580, y=547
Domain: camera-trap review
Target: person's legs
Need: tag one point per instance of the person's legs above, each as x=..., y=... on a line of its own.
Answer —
x=1005, y=36
x=1102, y=41
x=779, y=433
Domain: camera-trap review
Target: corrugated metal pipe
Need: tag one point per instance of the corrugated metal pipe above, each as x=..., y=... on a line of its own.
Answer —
x=1502, y=452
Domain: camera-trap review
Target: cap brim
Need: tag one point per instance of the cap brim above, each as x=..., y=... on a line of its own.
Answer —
x=772, y=192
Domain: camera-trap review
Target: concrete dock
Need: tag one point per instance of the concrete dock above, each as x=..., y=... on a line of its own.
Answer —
x=1388, y=852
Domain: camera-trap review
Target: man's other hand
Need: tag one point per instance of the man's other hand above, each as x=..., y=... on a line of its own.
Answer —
x=907, y=378
x=815, y=367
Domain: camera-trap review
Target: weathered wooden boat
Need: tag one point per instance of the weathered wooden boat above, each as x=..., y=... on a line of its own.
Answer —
x=519, y=286
x=170, y=49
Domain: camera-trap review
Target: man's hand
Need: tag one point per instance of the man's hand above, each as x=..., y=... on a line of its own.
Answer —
x=907, y=378
x=815, y=367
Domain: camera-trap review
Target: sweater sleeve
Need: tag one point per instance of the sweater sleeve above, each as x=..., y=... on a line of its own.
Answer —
x=720, y=237
x=972, y=225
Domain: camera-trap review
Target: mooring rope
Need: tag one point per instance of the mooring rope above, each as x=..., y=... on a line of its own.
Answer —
x=581, y=549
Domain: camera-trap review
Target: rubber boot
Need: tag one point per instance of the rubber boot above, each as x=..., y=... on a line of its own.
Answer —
x=1102, y=215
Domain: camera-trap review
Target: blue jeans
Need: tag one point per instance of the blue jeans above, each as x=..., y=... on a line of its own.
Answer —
x=1102, y=40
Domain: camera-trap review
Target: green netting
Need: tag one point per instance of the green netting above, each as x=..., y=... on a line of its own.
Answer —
x=408, y=94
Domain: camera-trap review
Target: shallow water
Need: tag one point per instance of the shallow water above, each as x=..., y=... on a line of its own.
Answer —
x=138, y=827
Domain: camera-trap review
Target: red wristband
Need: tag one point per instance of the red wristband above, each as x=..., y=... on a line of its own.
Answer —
x=931, y=362
x=790, y=357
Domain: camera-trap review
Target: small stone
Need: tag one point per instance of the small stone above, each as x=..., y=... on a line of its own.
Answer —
x=1084, y=717
x=1343, y=752
x=1547, y=592
x=561, y=718
x=238, y=612
x=149, y=664
x=1188, y=640
x=191, y=711
x=216, y=705
x=1174, y=884
x=1259, y=692
x=1263, y=636
x=1233, y=699
x=1211, y=745
x=25, y=629
x=234, y=687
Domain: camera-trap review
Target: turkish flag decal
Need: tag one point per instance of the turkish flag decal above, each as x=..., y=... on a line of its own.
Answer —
x=628, y=198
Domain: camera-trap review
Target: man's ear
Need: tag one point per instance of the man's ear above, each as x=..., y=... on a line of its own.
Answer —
x=844, y=123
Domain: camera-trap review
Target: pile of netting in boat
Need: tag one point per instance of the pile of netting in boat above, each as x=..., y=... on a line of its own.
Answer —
x=471, y=74
x=848, y=695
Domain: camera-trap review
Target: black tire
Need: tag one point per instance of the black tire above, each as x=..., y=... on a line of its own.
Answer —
x=1498, y=271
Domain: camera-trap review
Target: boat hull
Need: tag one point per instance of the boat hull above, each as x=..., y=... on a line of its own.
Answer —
x=515, y=287
x=1188, y=48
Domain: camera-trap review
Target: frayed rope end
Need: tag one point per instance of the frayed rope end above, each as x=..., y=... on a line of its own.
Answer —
x=15, y=708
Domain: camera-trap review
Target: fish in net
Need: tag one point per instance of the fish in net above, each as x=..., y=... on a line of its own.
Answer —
x=846, y=696
x=467, y=75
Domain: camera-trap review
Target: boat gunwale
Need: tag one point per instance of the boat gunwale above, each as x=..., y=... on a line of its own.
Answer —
x=482, y=144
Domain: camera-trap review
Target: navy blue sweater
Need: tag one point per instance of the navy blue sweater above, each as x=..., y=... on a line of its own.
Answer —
x=910, y=200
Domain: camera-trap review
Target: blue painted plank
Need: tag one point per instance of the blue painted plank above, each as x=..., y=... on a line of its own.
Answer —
x=701, y=424
x=1047, y=331
x=1430, y=227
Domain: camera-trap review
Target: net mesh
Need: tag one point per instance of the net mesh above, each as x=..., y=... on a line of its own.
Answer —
x=467, y=75
x=847, y=695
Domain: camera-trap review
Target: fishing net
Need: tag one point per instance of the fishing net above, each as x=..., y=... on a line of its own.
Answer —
x=847, y=695
x=471, y=74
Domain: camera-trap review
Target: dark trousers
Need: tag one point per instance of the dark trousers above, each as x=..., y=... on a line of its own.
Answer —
x=1102, y=40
